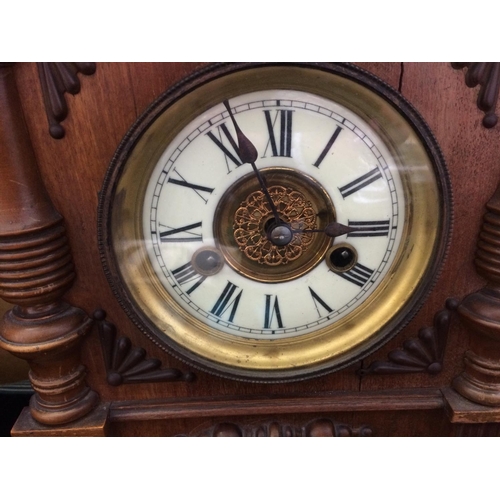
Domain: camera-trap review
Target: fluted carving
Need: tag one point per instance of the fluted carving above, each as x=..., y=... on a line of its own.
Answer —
x=58, y=78
x=126, y=364
x=487, y=76
x=480, y=312
x=422, y=354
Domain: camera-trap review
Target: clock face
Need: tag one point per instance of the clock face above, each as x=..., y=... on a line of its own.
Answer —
x=205, y=216
x=275, y=222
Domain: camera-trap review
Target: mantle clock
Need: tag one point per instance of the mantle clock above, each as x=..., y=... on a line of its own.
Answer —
x=254, y=249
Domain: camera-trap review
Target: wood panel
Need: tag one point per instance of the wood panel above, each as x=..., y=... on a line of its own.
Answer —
x=471, y=153
x=73, y=170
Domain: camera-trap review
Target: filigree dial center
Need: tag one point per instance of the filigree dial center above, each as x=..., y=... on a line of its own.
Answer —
x=264, y=241
x=262, y=248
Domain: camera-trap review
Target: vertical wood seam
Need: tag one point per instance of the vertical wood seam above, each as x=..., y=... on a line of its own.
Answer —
x=401, y=75
x=132, y=90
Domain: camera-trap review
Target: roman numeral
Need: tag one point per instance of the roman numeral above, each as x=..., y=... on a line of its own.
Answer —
x=187, y=274
x=166, y=236
x=196, y=187
x=369, y=228
x=223, y=304
x=318, y=300
x=272, y=312
x=231, y=150
x=359, y=275
x=360, y=182
x=283, y=146
x=328, y=146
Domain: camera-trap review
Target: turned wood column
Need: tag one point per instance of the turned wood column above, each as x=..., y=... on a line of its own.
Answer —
x=36, y=269
x=480, y=312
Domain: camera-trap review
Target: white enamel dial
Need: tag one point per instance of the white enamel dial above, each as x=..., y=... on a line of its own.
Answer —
x=298, y=132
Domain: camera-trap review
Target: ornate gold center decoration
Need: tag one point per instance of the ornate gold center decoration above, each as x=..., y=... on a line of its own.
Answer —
x=243, y=217
x=253, y=217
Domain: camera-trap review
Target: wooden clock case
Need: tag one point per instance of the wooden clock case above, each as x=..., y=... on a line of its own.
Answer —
x=95, y=373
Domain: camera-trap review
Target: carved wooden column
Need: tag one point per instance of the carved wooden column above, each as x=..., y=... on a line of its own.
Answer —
x=480, y=311
x=36, y=269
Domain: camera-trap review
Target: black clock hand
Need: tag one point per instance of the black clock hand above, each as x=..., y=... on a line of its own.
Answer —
x=248, y=154
x=332, y=230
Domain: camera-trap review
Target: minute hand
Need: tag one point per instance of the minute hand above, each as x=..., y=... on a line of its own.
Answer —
x=248, y=154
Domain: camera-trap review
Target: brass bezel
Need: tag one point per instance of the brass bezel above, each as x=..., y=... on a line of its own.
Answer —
x=397, y=298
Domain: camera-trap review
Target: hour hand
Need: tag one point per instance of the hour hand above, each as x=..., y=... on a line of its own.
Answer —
x=335, y=229
x=332, y=230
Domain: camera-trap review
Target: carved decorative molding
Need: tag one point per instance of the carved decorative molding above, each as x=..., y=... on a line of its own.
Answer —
x=422, y=354
x=487, y=76
x=56, y=79
x=321, y=427
x=479, y=311
x=128, y=365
